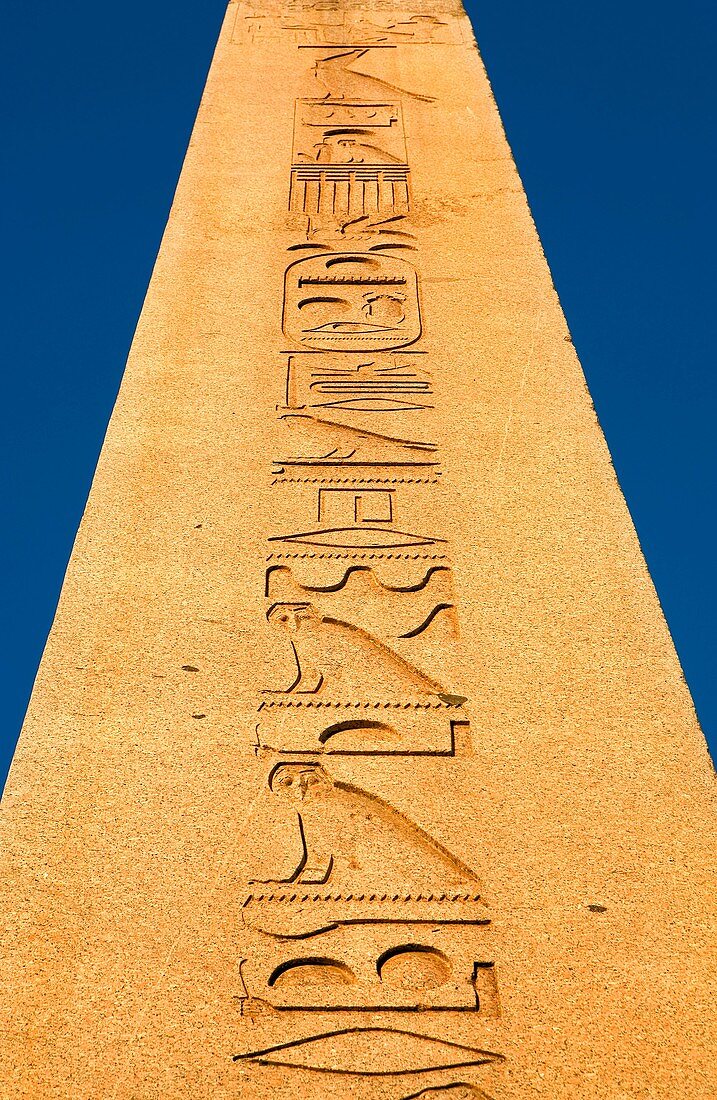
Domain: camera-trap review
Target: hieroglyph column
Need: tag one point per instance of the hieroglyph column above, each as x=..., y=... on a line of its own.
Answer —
x=359, y=763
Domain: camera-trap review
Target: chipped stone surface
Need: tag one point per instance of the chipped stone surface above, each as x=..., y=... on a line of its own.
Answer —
x=360, y=763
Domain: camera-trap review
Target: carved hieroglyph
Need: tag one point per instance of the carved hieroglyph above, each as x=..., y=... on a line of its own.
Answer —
x=359, y=765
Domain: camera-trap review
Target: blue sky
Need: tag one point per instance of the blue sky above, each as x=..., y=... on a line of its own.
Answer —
x=609, y=109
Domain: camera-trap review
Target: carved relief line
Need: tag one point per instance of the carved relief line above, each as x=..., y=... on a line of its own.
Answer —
x=365, y=305
x=349, y=165
x=286, y=917
x=405, y=977
x=350, y=172
x=305, y=810
x=350, y=157
x=433, y=583
x=386, y=384
x=336, y=556
x=412, y=953
x=351, y=300
x=396, y=640
x=337, y=29
x=371, y=1052
x=278, y=574
x=335, y=78
x=358, y=538
x=352, y=447
x=319, y=26
x=458, y=1090
x=354, y=47
x=398, y=704
x=356, y=520
x=439, y=609
x=342, y=432
x=349, y=193
x=325, y=651
x=283, y=480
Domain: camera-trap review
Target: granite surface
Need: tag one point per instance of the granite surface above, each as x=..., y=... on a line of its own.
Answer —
x=360, y=763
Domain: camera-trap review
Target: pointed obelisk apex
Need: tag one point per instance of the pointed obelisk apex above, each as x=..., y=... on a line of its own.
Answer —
x=360, y=762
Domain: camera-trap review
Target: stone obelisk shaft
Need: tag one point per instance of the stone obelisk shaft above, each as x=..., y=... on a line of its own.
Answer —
x=359, y=762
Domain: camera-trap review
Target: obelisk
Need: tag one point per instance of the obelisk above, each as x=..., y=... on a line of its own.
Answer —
x=360, y=763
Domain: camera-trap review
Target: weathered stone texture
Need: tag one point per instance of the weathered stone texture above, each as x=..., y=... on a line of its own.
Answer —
x=360, y=732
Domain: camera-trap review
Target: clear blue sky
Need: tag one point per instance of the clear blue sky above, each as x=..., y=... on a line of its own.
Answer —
x=609, y=109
